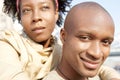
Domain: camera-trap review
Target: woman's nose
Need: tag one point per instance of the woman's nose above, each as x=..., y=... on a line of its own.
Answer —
x=37, y=16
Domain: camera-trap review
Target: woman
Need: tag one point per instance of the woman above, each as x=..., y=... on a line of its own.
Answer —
x=30, y=56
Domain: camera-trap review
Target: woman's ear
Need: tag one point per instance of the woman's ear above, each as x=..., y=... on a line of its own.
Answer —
x=56, y=15
x=62, y=35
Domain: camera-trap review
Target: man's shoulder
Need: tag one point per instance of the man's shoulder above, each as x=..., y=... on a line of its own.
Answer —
x=53, y=75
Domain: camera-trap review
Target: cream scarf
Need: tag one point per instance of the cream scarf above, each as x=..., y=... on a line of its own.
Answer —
x=36, y=60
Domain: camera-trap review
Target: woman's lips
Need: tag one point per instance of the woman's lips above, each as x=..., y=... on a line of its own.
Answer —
x=38, y=30
x=90, y=64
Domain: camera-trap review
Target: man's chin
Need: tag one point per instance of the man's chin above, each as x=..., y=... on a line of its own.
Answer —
x=91, y=73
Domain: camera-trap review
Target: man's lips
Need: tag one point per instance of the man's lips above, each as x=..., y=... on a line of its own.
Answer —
x=90, y=64
x=38, y=30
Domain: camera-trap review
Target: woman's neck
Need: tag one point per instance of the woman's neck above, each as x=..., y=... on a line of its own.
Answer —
x=47, y=43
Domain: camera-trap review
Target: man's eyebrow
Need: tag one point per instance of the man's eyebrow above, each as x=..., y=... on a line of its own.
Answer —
x=84, y=32
x=110, y=38
x=89, y=33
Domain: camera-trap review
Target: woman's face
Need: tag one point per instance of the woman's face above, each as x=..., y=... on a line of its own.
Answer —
x=38, y=18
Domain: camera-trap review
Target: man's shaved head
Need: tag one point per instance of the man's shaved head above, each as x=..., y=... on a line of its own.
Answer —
x=86, y=12
x=87, y=35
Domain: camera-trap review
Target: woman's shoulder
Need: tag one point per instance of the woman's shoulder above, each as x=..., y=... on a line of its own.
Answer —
x=5, y=47
x=7, y=52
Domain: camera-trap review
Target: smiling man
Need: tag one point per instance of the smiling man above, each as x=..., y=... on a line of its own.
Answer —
x=87, y=36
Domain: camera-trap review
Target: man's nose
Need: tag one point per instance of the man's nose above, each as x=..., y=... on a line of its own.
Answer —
x=95, y=50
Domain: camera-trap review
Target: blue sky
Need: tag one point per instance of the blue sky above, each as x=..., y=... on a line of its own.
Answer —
x=112, y=6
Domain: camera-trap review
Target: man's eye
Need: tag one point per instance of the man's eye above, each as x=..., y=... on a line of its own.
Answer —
x=85, y=38
x=107, y=42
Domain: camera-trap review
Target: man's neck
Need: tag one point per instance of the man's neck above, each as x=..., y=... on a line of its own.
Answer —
x=63, y=75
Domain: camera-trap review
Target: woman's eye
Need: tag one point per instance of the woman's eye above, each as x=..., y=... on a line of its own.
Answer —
x=26, y=10
x=44, y=8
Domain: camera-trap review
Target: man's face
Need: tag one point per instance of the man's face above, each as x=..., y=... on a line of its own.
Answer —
x=87, y=45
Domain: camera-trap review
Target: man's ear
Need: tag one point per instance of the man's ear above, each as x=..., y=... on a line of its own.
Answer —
x=62, y=35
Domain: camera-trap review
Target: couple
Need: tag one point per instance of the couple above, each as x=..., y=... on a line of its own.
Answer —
x=32, y=56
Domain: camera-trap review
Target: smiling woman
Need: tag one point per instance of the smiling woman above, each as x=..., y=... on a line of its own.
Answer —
x=30, y=55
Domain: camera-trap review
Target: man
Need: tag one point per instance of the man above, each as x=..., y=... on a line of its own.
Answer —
x=87, y=36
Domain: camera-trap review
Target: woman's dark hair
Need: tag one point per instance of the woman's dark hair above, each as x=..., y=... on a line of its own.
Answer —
x=10, y=8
